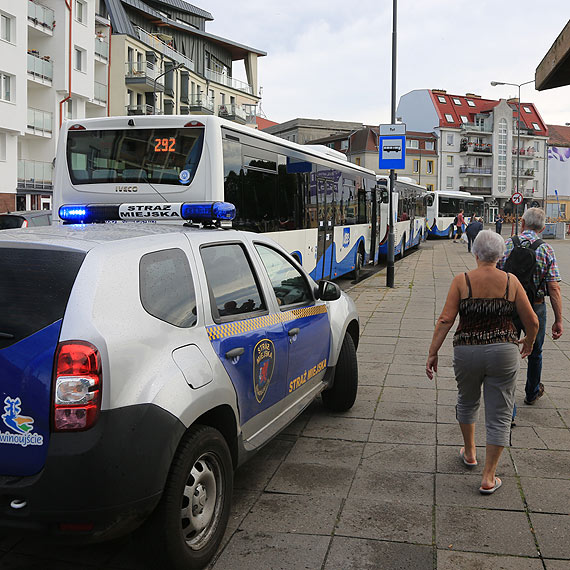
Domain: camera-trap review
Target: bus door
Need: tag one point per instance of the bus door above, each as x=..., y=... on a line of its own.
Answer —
x=374, y=229
x=325, y=228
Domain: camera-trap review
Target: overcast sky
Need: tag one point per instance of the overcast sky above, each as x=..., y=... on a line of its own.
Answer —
x=331, y=59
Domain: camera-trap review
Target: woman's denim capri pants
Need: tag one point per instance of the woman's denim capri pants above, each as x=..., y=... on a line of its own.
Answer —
x=495, y=367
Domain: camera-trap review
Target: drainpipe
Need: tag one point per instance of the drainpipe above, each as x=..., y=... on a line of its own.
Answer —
x=68, y=4
x=109, y=72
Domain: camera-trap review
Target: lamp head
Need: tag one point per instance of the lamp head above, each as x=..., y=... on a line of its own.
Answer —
x=495, y=83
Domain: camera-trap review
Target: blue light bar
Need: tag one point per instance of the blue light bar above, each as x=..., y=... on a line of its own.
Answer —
x=72, y=213
x=208, y=211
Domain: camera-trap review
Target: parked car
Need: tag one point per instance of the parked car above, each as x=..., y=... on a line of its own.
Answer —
x=142, y=363
x=32, y=218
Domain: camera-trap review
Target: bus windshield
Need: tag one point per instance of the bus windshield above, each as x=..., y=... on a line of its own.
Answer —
x=160, y=156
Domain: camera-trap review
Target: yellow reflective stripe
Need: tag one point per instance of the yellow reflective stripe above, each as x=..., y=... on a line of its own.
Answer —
x=217, y=332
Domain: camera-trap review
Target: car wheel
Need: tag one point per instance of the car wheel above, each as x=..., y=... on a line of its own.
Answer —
x=342, y=395
x=188, y=525
x=358, y=263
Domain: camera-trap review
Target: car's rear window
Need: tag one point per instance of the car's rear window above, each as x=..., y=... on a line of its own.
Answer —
x=35, y=285
x=8, y=222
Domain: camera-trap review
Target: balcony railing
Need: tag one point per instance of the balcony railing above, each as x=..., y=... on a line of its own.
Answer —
x=41, y=15
x=100, y=92
x=478, y=190
x=102, y=48
x=525, y=172
x=40, y=68
x=143, y=70
x=475, y=170
x=224, y=79
x=201, y=100
x=525, y=152
x=140, y=110
x=476, y=147
x=35, y=174
x=232, y=111
x=165, y=49
x=40, y=122
x=485, y=128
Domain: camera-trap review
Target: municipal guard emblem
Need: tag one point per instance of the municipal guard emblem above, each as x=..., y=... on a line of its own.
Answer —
x=263, y=365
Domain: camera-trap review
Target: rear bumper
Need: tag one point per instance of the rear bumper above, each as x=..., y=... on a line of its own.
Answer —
x=107, y=479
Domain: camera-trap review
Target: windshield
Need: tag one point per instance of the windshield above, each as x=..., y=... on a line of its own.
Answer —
x=159, y=156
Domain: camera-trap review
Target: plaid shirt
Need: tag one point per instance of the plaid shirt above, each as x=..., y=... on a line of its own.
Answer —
x=546, y=266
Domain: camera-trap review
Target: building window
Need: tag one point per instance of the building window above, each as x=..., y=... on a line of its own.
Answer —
x=457, y=101
x=69, y=109
x=527, y=110
x=441, y=99
x=502, y=157
x=449, y=182
x=429, y=187
x=430, y=166
x=6, y=28
x=344, y=144
x=357, y=161
x=2, y=147
x=464, y=119
x=80, y=11
x=416, y=166
x=412, y=143
x=448, y=118
x=536, y=146
x=6, y=87
x=470, y=103
x=449, y=160
x=429, y=145
x=536, y=126
x=449, y=139
x=79, y=56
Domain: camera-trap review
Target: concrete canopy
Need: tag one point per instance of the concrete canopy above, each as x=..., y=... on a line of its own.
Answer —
x=554, y=69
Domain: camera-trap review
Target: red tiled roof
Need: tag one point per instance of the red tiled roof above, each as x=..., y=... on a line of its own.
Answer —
x=469, y=106
x=264, y=123
x=558, y=135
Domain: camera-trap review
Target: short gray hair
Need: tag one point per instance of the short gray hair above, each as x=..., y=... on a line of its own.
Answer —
x=534, y=219
x=488, y=246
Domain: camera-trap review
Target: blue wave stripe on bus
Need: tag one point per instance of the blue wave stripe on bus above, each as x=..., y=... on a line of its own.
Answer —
x=338, y=267
x=383, y=249
x=435, y=231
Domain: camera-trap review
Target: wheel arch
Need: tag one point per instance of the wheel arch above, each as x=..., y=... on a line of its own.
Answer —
x=353, y=330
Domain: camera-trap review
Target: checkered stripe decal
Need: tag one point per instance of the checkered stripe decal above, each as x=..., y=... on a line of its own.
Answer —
x=217, y=332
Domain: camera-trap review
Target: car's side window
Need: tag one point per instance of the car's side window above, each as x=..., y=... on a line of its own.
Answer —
x=232, y=283
x=290, y=286
x=166, y=287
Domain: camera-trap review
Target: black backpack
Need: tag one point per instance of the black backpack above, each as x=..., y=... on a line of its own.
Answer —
x=455, y=221
x=522, y=263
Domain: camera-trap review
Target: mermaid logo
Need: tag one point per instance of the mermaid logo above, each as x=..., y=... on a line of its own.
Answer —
x=12, y=417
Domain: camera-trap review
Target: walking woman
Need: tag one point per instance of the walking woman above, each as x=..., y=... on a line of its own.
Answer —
x=485, y=350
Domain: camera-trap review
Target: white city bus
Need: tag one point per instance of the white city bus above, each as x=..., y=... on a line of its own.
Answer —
x=443, y=205
x=318, y=206
x=409, y=215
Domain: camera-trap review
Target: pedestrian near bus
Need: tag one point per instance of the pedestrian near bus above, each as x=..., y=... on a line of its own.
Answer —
x=546, y=280
x=499, y=223
x=486, y=352
x=459, y=225
x=472, y=230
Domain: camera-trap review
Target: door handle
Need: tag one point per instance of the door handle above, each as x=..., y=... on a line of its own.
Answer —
x=294, y=332
x=234, y=352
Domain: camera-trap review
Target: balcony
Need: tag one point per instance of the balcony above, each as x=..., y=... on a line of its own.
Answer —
x=476, y=148
x=41, y=17
x=525, y=132
x=233, y=113
x=477, y=128
x=524, y=172
x=100, y=93
x=199, y=104
x=40, y=69
x=165, y=49
x=525, y=152
x=140, y=110
x=477, y=190
x=144, y=74
x=224, y=79
x=40, y=123
x=475, y=170
x=35, y=175
x=101, y=49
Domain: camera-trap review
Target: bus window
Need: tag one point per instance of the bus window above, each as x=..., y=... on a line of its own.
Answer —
x=288, y=198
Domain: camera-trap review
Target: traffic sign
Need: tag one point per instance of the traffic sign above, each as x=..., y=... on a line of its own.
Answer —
x=392, y=152
x=517, y=198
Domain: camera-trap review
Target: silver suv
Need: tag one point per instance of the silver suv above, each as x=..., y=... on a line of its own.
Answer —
x=142, y=363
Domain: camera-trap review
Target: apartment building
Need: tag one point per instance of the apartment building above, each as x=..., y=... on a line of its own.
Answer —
x=478, y=148
x=70, y=59
x=361, y=147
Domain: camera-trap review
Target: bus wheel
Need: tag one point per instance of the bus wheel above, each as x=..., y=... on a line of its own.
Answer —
x=341, y=396
x=358, y=263
x=403, y=248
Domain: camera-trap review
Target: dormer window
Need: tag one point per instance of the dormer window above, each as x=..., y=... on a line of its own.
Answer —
x=448, y=118
x=527, y=110
x=457, y=101
x=441, y=99
x=470, y=103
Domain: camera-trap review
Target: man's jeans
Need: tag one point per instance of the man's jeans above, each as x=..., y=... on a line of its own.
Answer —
x=535, y=358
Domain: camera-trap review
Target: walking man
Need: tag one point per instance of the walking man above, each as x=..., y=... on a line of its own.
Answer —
x=498, y=223
x=546, y=280
x=459, y=224
x=474, y=227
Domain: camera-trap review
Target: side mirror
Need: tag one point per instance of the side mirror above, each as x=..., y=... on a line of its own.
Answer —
x=384, y=196
x=328, y=291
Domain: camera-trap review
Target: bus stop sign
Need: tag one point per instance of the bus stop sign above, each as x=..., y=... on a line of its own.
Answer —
x=392, y=147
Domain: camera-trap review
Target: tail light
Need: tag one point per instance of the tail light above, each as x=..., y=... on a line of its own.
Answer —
x=77, y=386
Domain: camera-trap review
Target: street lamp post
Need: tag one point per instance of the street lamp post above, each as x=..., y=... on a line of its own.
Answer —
x=518, y=86
x=173, y=68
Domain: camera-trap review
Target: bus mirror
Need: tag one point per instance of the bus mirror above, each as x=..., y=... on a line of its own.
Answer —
x=384, y=196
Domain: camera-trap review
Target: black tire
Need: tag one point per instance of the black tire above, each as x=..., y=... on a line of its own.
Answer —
x=342, y=395
x=188, y=525
x=358, y=263
x=402, y=253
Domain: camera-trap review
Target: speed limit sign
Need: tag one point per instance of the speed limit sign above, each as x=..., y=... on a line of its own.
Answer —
x=517, y=198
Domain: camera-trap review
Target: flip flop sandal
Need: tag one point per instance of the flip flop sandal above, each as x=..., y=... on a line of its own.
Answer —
x=490, y=491
x=462, y=456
